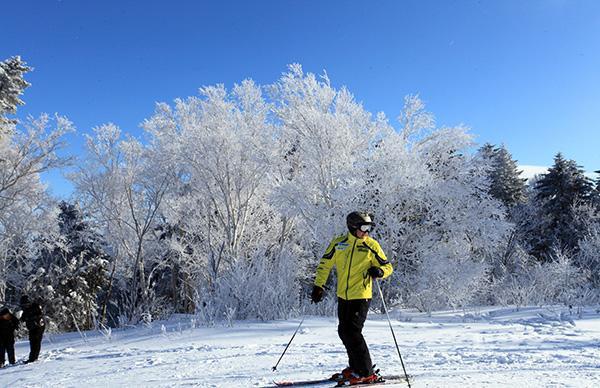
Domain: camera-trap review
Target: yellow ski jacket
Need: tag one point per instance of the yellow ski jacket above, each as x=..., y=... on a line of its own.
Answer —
x=352, y=258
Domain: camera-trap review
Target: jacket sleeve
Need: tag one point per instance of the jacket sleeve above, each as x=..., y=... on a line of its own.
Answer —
x=39, y=316
x=325, y=265
x=24, y=315
x=380, y=260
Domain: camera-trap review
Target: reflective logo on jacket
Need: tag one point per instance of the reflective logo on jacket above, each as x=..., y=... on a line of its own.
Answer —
x=352, y=258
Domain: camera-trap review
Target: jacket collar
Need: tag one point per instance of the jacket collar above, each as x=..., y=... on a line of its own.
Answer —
x=352, y=239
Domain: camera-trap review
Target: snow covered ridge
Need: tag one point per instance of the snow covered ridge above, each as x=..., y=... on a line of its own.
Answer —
x=530, y=172
x=487, y=347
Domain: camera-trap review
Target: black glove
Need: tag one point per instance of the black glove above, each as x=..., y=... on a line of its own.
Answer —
x=317, y=294
x=375, y=272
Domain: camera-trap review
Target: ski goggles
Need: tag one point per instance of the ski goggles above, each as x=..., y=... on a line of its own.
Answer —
x=365, y=227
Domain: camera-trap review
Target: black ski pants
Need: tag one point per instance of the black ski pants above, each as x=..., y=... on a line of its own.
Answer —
x=7, y=347
x=352, y=315
x=35, y=342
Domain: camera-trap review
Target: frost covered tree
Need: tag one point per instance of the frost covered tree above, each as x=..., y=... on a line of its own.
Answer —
x=506, y=184
x=596, y=192
x=69, y=273
x=557, y=280
x=222, y=156
x=460, y=227
x=227, y=241
x=12, y=85
x=558, y=192
x=26, y=211
x=588, y=257
x=122, y=186
x=21, y=229
x=435, y=219
x=325, y=139
x=228, y=206
x=330, y=156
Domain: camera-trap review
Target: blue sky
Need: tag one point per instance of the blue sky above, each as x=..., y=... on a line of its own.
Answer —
x=522, y=73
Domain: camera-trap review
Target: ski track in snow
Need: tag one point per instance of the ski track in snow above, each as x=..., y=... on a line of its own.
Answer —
x=494, y=347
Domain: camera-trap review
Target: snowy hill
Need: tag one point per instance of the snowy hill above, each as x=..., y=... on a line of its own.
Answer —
x=529, y=172
x=491, y=347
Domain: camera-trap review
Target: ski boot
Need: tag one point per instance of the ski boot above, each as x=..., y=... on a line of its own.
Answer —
x=375, y=377
x=344, y=375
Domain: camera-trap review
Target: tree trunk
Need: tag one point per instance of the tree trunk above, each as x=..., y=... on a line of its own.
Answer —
x=108, y=293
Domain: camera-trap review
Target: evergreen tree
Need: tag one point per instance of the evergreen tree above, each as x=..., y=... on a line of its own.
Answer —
x=596, y=192
x=71, y=273
x=12, y=85
x=488, y=152
x=506, y=184
x=558, y=192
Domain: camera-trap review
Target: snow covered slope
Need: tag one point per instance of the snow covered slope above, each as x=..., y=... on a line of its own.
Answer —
x=491, y=347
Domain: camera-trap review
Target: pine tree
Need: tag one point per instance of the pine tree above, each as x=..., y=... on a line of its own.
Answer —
x=488, y=151
x=506, y=184
x=12, y=85
x=558, y=191
x=71, y=273
x=596, y=192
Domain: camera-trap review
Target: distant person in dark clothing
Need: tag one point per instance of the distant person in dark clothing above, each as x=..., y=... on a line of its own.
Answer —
x=34, y=320
x=8, y=324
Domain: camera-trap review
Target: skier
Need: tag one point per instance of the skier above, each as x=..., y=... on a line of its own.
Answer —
x=358, y=259
x=8, y=324
x=34, y=320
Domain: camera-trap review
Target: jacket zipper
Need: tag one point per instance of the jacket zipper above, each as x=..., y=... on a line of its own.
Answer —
x=350, y=266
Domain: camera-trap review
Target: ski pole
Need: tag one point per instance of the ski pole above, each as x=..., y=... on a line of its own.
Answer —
x=393, y=335
x=288, y=345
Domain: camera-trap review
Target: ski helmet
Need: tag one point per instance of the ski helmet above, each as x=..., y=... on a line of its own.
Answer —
x=355, y=219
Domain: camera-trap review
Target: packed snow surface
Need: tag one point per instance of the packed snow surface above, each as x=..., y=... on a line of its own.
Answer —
x=491, y=347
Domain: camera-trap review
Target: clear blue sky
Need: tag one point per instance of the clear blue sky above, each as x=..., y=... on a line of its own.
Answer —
x=522, y=73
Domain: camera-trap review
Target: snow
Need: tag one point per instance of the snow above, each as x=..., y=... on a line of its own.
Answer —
x=529, y=172
x=487, y=347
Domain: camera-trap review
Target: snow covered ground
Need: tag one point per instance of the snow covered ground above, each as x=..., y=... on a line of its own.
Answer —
x=491, y=347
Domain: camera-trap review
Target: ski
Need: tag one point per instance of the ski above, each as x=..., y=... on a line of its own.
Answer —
x=385, y=380
x=392, y=379
x=304, y=382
